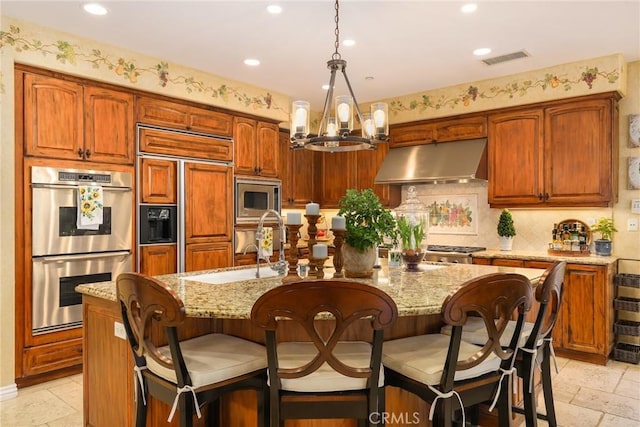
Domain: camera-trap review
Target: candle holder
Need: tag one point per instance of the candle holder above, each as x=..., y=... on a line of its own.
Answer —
x=312, y=230
x=338, y=240
x=317, y=266
x=292, y=237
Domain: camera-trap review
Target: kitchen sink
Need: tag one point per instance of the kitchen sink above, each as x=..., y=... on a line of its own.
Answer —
x=232, y=275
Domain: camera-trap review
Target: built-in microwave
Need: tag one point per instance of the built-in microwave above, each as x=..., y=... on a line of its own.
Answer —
x=254, y=196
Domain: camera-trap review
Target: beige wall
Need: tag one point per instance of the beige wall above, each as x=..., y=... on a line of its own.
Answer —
x=80, y=58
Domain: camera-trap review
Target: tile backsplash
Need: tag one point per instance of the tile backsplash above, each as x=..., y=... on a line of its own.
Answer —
x=533, y=226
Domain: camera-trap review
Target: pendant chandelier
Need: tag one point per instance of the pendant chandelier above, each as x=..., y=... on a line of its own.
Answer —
x=335, y=132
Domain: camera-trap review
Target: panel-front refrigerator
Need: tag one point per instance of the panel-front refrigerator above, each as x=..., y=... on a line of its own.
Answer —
x=185, y=207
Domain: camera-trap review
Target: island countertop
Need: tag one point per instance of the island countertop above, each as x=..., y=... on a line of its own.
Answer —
x=415, y=293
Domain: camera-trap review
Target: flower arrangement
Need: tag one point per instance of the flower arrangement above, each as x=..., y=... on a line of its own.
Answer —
x=412, y=232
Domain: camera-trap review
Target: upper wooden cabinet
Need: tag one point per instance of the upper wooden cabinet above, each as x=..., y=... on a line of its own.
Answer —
x=341, y=171
x=440, y=130
x=158, y=181
x=335, y=175
x=367, y=164
x=555, y=154
x=256, y=148
x=76, y=121
x=182, y=116
x=297, y=174
x=162, y=141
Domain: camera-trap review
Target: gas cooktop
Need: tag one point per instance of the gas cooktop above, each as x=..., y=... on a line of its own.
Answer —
x=458, y=249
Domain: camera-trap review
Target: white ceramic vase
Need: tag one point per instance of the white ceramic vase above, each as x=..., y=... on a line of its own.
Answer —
x=358, y=264
x=506, y=243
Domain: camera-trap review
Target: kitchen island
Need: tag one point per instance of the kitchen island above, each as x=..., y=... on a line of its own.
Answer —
x=226, y=307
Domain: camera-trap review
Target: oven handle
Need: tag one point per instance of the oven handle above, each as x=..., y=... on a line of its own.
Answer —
x=64, y=187
x=62, y=258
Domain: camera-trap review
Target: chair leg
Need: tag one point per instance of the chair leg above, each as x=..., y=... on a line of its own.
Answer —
x=547, y=387
x=504, y=403
x=141, y=408
x=529, y=392
x=185, y=410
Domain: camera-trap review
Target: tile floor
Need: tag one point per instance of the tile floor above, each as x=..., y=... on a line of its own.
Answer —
x=586, y=396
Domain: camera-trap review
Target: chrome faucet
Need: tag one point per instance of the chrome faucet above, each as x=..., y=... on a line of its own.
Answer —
x=281, y=266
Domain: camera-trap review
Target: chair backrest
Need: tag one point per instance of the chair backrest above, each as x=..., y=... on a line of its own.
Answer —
x=347, y=303
x=494, y=298
x=145, y=301
x=549, y=295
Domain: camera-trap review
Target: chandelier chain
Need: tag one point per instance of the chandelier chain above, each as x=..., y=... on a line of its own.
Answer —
x=336, y=54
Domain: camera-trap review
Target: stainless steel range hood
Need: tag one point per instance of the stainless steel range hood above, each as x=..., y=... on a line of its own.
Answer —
x=435, y=163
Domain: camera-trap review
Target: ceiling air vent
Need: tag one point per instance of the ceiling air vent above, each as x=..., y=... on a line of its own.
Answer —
x=504, y=58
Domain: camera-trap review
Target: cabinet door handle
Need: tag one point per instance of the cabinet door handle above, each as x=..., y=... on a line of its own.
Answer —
x=546, y=196
x=540, y=196
x=87, y=153
x=80, y=152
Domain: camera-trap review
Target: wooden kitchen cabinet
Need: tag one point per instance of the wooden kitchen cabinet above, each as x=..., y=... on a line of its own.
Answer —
x=74, y=120
x=367, y=164
x=256, y=148
x=556, y=154
x=206, y=256
x=335, y=175
x=439, y=130
x=207, y=208
x=297, y=173
x=167, y=142
x=175, y=115
x=158, y=259
x=584, y=329
x=158, y=181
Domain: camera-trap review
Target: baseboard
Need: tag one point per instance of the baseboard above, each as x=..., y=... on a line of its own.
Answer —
x=8, y=392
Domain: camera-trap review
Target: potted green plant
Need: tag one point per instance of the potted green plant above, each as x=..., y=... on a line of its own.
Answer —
x=605, y=227
x=506, y=230
x=367, y=222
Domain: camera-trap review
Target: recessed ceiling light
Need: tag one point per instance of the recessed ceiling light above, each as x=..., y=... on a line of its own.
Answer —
x=348, y=42
x=95, y=9
x=274, y=9
x=482, y=51
x=251, y=62
x=469, y=8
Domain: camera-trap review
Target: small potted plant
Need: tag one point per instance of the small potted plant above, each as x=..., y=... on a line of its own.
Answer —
x=506, y=230
x=412, y=233
x=367, y=223
x=605, y=227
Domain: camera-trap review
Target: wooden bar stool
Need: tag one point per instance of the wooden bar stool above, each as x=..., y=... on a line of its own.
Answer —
x=186, y=374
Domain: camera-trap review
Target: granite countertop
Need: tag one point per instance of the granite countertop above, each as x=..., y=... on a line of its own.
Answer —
x=545, y=256
x=416, y=293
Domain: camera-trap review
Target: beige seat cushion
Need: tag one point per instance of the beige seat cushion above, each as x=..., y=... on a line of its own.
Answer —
x=213, y=358
x=352, y=353
x=422, y=358
x=475, y=332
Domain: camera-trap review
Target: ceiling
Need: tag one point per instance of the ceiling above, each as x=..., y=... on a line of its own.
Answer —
x=405, y=46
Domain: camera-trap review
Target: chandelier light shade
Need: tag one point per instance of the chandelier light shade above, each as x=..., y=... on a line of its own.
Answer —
x=335, y=132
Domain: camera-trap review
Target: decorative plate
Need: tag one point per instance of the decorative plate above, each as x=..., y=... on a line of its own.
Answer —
x=634, y=173
x=634, y=130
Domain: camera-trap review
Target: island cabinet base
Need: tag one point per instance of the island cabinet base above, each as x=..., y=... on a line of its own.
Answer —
x=109, y=382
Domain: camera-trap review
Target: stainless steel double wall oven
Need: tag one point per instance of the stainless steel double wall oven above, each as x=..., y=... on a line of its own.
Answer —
x=64, y=256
